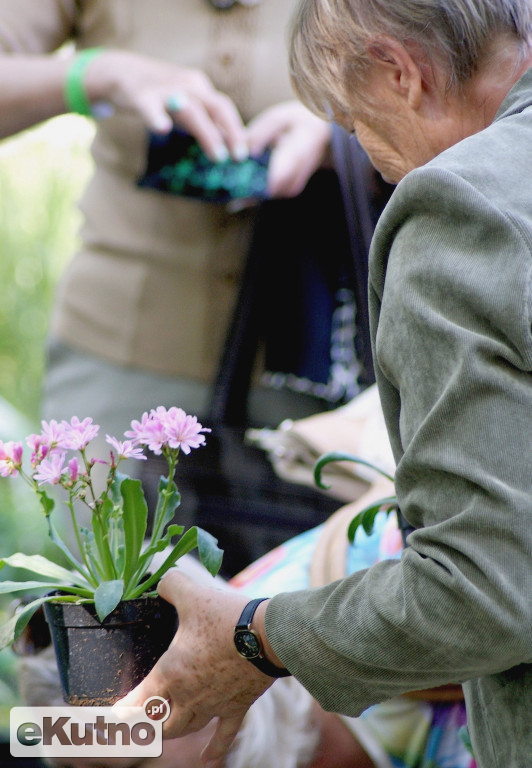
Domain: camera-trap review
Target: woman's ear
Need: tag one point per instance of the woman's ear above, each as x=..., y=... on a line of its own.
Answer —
x=399, y=68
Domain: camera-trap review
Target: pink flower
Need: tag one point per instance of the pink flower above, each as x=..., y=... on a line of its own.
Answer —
x=172, y=428
x=126, y=449
x=183, y=430
x=50, y=470
x=73, y=468
x=52, y=434
x=78, y=434
x=139, y=429
x=39, y=448
x=10, y=458
x=150, y=431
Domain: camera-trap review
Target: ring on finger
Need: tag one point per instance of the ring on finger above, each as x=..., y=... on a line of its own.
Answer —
x=176, y=102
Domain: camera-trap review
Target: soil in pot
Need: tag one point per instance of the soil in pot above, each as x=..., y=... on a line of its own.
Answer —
x=101, y=662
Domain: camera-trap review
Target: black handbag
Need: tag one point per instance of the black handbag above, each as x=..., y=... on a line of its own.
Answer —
x=301, y=256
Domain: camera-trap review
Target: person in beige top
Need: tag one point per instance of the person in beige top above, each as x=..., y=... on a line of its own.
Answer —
x=143, y=308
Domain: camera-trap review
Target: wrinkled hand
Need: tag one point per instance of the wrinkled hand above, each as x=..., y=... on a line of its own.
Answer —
x=148, y=88
x=201, y=673
x=299, y=142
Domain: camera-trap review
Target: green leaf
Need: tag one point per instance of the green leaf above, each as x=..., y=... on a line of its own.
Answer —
x=135, y=519
x=173, y=530
x=44, y=567
x=103, y=559
x=91, y=553
x=46, y=502
x=120, y=558
x=147, y=556
x=162, y=543
x=107, y=596
x=210, y=554
x=58, y=541
x=208, y=550
x=115, y=487
x=465, y=737
x=327, y=458
x=106, y=510
x=168, y=500
x=21, y=586
x=186, y=544
x=366, y=517
x=11, y=630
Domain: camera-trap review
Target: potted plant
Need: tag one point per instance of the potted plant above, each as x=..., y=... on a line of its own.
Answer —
x=104, y=600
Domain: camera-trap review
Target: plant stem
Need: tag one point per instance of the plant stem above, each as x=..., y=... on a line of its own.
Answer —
x=171, y=457
x=90, y=576
x=93, y=578
x=97, y=507
x=101, y=540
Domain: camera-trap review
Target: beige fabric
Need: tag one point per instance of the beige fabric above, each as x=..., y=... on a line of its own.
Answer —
x=155, y=280
x=357, y=428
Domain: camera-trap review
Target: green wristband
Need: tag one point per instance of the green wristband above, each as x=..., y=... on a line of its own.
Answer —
x=74, y=91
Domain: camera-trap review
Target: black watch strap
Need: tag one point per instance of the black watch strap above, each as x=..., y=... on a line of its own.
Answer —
x=248, y=643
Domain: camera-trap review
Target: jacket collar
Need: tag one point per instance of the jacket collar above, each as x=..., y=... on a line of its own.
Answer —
x=518, y=98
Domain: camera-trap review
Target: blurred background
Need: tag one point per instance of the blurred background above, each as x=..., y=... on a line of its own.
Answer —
x=42, y=172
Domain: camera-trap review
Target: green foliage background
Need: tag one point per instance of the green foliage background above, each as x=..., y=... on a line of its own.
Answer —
x=42, y=174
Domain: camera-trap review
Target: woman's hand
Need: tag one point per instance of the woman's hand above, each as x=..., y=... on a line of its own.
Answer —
x=201, y=674
x=299, y=142
x=164, y=94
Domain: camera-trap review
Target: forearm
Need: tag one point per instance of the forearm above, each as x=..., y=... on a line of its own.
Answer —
x=258, y=625
x=31, y=90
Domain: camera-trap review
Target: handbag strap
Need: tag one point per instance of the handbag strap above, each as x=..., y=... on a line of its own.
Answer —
x=232, y=383
x=365, y=195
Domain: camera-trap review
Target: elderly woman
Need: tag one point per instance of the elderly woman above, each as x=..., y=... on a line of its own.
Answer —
x=439, y=93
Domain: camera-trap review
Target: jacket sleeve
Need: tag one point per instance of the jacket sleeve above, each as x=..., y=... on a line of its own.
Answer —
x=451, y=306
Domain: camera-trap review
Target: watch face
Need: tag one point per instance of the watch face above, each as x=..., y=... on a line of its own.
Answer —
x=247, y=644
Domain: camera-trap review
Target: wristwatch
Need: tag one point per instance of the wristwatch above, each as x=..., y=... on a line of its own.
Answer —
x=248, y=643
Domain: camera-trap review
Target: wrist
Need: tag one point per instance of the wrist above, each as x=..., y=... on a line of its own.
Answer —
x=250, y=644
x=259, y=626
x=77, y=96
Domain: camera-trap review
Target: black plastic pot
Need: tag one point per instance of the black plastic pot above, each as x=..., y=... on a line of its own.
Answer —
x=101, y=662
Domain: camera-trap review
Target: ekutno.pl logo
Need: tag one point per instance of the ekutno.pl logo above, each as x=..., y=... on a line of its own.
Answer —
x=104, y=732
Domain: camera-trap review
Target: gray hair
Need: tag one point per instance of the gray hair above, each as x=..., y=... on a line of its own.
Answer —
x=329, y=40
